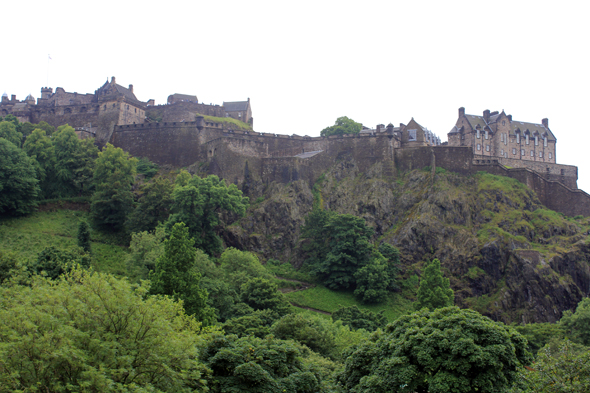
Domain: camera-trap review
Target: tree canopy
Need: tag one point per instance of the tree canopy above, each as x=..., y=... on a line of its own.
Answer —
x=18, y=183
x=446, y=350
x=435, y=290
x=343, y=125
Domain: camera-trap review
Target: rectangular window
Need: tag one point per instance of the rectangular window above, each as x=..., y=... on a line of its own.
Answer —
x=514, y=151
x=517, y=138
x=478, y=136
x=550, y=156
x=487, y=135
x=532, y=153
x=540, y=154
x=502, y=152
x=478, y=146
x=545, y=141
x=522, y=152
x=536, y=140
x=412, y=135
x=527, y=139
x=487, y=147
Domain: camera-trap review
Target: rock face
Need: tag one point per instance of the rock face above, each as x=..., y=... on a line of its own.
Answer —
x=507, y=256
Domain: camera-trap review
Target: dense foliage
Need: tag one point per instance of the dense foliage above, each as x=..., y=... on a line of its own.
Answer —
x=435, y=290
x=446, y=350
x=18, y=183
x=343, y=125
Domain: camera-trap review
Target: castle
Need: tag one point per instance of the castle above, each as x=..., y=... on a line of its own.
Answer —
x=180, y=134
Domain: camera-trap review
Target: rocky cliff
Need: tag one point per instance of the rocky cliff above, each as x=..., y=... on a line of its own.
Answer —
x=506, y=255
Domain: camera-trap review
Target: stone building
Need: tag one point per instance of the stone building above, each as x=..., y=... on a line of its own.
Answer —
x=411, y=135
x=176, y=97
x=495, y=134
x=240, y=110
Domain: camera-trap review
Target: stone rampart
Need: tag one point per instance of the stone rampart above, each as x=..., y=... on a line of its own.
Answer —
x=566, y=174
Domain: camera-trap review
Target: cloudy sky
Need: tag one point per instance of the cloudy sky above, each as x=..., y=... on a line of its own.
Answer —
x=305, y=63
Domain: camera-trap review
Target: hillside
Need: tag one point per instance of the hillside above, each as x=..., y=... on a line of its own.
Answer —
x=508, y=257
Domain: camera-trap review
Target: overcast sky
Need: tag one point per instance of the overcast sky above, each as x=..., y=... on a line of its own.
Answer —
x=305, y=63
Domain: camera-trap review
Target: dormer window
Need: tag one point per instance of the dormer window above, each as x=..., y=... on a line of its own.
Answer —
x=536, y=140
x=527, y=139
x=517, y=138
x=478, y=136
x=487, y=135
x=545, y=141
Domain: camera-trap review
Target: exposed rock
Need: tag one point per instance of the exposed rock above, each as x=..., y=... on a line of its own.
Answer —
x=507, y=256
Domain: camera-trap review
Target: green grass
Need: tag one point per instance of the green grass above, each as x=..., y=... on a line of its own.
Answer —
x=321, y=298
x=228, y=121
x=28, y=236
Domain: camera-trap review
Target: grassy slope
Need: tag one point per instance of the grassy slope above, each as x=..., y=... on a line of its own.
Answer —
x=29, y=235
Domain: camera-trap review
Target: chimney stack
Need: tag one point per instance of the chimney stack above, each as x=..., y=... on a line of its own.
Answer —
x=131, y=88
x=509, y=117
x=13, y=97
x=545, y=122
x=486, y=115
x=461, y=111
x=112, y=79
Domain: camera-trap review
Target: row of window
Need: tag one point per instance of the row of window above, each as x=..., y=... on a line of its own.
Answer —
x=522, y=151
x=504, y=138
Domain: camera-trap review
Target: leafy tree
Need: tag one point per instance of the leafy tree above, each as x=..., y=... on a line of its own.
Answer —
x=434, y=291
x=53, y=262
x=341, y=247
x=91, y=332
x=256, y=323
x=356, y=318
x=306, y=330
x=446, y=350
x=255, y=365
x=154, y=206
x=9, y=265
x=373, y=280
x=540, y=334
x=199, y=203
x=113, y=177
x=263, y=294
x=28, y=128
x=8, y=131
x=175, y=275
x=39, y=147
x=146, y=167
x=66, y=144
x=145, y=249
x=240, y=266
x=343, y=125
x=84, y=237
x=18, y=185
x=577, y=325
x=565, y=369
x=392, y=255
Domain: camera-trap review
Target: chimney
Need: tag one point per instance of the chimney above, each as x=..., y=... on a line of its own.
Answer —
x=12, y=97
x=486, y=115
x=509, y=117
x=545, y=122
x=461, y=111
x=131, y=88
x=112, y=79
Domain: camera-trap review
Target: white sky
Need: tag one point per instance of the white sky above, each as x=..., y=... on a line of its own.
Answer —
x=305, y=63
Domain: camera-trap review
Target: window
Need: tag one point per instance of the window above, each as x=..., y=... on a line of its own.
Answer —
x=487, y=136
x=502, y=137
x=478, y=146
x=503, y=122
x=536, y=140
x=550, y=156
x=540, y=154
x=478, y=136
x=514, y=151
x=532, y=153
x=502, y=152
x=411, y=135
x=562, y=172
x=522, y=152
x=527, y=139
x=545, y=141
x=517, y=138
x=135, y=110
x=487, y=147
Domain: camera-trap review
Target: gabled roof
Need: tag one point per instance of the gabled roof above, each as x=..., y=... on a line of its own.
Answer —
x=184, y=97
x=236, y=106
x=126, y=92
x=523, y=126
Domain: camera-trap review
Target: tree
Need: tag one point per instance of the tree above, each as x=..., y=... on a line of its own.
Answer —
x=577, y=325
x=92, y=332
x=446, y=350
x=39, y=147
x=84, y=237
x=306, y=330
x=435, y=290
x=66, y=144
x=340, y=247
x=263, y=294
x=356, y=318
x=343, y=125
x=113, y=200
x=145, y=249
x=564, y=369
x=175, y=275
x=240, y=266
x=255, y=365
x=154, y=206
x=199, y=203
x=373, y=280
x=18, y=185
x=8, y=131
x=53, y=262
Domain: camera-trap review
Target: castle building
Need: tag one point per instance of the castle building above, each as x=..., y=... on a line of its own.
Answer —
x=239, y=110
x=497, y=135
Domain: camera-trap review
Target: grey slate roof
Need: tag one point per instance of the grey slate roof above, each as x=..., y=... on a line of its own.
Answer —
x=522, y=126
x=236, y=106
x=184, y=97
x=126, y=92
